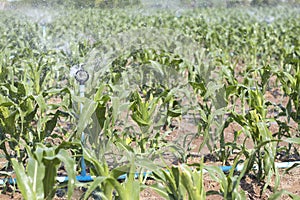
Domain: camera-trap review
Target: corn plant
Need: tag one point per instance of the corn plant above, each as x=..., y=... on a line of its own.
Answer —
x=229, y=182
x=107, y=181
x=24, y=115
x=38, y=180
x=180, y=182
x=169, y=184
x=211, y=109
x=143, y=113
x=291, y=82
x=258, y=131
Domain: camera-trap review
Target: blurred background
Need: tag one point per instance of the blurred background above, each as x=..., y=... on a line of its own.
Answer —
x=6, y=4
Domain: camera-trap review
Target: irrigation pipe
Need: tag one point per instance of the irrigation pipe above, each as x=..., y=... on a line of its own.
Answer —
x=283, y=165
x=87, y=178
x=44, y=30
x=82, y=76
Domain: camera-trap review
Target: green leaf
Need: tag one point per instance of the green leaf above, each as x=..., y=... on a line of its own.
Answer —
x=139, y=120
x=174, y=112
x=293, y=140
x=100, y=113
x=69, y=162
x=94, y=185
x=51, y=124
x=23, y=181
x=36, y=172
x=278, y=195
x=116, y=172
x=41, y=102
x=89, y=108
x=187, y=180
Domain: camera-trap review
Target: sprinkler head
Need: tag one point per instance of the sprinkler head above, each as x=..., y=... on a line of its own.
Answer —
x=82, y=76
x=42, y=22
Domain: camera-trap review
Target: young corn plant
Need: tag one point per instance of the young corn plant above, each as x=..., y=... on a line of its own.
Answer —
x=290, y=81
x=38, y=180
x=18, y=104
x=108, y=182
x=39, y=71
x=143, y=113
x=211, y=110
x=229, y=183
x=97, y=119
x=233, y=91
x=28, y=117
x=212, y=104
x=180, y=182
x=192, y=181
x=255, y=126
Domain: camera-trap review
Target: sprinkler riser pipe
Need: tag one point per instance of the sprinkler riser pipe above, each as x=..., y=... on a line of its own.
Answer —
x=82, y=162
x=44, y=31
x=81, y=94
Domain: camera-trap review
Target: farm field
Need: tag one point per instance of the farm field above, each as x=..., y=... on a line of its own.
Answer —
x=150, y=103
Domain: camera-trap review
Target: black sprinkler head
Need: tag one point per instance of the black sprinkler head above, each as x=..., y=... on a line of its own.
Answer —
x=82, y=76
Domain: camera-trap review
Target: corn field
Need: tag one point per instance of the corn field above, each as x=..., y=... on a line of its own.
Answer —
x=232, y=75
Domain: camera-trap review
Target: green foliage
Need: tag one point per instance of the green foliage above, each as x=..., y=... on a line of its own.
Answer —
x=180, y=182
x=147, y=76
x=82, y=4
x=38, y=181
x=107, y=180
x=24, y=116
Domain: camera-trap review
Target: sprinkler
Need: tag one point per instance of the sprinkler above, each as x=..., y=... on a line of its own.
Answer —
x=82, y=77
x=43, y=25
